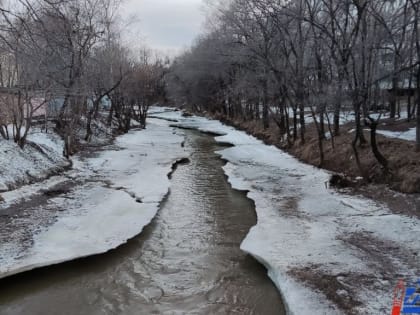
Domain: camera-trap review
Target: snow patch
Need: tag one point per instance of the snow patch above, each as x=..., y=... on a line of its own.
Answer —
x=41, y=157
x=409, y=135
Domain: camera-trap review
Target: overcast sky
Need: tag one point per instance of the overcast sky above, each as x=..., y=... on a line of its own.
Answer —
x=166, y=25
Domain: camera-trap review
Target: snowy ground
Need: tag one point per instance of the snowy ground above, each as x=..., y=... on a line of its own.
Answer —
x=327, y=252
x=409, y=135
x=100, y=204
x=345, y=118
x=41, y=157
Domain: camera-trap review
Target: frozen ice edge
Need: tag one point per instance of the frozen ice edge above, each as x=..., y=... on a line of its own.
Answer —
x=51, y=252
x=98, y=252
x=288, y=288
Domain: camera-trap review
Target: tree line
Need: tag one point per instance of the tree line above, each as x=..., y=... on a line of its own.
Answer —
x=67, y=57
x=276, y=61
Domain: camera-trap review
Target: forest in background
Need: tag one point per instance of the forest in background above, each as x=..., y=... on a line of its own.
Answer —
x=64, y=63
x=266, y=65
x=318, y=78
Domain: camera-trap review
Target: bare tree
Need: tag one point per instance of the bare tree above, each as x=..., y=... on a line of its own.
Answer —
x=415, y=6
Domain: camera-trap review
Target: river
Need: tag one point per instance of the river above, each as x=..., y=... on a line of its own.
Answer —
x=187, y=261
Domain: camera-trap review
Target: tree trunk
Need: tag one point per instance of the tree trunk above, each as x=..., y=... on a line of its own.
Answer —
x=67, y=146
x=330, y=130
x=337, y=120
x=393, y=98
x=321, y=136
x=294, y=124
x=359, y=130
x=287, y=125
x=282, y=118
x=3, y=132
x=321, y=120
x=373, y=124
x=257, y=110
x=418, y=129
x=89, y=126
x=408, y=108
x=418, y=113
x=302, y=121
x=356, y=155
x=337, y=108
x=266, y=122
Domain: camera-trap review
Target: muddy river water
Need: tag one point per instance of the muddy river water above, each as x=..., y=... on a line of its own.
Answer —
x=187, y=261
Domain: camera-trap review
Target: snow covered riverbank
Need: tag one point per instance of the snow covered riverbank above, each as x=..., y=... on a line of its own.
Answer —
x=110, y=198
x=327, y=252
x=41, y=157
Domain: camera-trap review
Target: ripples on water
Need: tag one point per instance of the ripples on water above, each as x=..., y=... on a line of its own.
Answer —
x=187, y=261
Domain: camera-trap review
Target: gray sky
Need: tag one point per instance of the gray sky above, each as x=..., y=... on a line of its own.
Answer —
x=166, y=25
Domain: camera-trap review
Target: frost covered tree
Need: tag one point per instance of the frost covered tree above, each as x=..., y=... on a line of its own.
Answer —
x=284, y=61
x=67, y=57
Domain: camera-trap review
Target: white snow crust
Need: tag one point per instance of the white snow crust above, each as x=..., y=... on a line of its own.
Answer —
x=122, y=192
x=19, y=166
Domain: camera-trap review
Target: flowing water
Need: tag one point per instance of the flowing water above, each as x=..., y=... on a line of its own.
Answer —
x=187, y=261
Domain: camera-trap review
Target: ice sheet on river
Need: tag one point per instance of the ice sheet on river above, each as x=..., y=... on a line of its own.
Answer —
x=327, y=252
x=120, y=193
